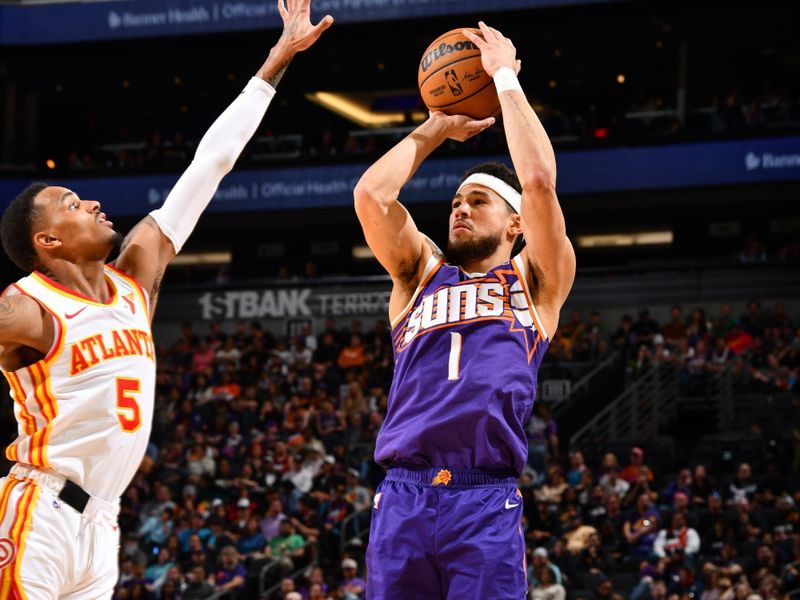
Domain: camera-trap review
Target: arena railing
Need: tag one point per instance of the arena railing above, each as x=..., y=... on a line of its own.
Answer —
x=311, y=553
x=636, y=414
x=359, y=523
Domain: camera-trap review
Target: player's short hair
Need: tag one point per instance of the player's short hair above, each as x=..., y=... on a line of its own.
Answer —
x=499, y=170
x=16, y=228
x=503, y=173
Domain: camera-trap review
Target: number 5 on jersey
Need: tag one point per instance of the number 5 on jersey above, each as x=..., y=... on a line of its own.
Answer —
x=128, y=412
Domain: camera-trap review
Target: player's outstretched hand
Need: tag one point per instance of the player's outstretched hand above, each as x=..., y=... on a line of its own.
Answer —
x=298, y=32
x=461, y=127
x=496, y=50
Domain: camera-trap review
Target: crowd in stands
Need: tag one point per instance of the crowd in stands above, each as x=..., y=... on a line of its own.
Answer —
x=260, y=468
x=259, y=474
x=760, y=349
x=644, y=119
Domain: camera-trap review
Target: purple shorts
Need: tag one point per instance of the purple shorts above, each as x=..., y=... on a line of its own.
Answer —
x=446, y=534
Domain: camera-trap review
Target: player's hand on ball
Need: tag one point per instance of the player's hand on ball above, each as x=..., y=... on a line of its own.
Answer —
x=298, y=32
x=496, y=50
x=460, y=127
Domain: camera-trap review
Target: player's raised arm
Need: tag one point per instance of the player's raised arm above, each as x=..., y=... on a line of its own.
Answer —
x=150, y=246
x=548, y=250
x=388, y=228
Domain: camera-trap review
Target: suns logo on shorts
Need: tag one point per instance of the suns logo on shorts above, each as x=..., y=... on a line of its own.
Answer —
x=443, y=477
x=7, y=552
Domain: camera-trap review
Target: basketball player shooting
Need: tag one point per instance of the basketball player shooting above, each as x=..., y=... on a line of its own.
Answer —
x=469, y=330
x=79, y=356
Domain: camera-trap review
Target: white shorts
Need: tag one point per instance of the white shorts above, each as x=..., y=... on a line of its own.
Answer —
x=50, y=551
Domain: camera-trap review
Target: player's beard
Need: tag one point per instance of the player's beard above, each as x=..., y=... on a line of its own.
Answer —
x=460, y=252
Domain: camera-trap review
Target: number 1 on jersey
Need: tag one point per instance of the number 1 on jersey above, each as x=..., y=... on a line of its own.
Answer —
x=128, y=412
x=454, y=365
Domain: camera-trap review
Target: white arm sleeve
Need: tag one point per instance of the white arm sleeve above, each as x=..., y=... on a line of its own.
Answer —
x=216, y=154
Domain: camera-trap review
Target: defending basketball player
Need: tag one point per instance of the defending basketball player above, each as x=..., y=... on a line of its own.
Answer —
x=79, y=356
x=469, y=329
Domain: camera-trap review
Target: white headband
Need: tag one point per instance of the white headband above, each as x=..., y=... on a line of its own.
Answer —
x=506, y=192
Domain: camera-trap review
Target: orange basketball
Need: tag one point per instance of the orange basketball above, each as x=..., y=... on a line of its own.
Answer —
x=452, y=80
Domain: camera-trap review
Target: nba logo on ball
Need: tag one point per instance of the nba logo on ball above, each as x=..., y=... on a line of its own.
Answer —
x=452, y=80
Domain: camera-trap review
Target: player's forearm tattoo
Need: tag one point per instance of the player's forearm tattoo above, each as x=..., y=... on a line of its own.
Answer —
x=522, y=113
x=276, y=78
x=155, y=290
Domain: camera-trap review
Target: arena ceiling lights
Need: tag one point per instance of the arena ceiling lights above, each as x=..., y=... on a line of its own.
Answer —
x=357, y=108
x=642, y=238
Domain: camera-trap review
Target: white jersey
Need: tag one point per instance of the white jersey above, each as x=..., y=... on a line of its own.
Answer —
x=85, y=410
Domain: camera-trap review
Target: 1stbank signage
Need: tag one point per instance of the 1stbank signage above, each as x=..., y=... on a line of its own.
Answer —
x=291, y=303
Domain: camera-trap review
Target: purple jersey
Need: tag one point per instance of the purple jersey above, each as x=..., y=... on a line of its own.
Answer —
x=467, y=351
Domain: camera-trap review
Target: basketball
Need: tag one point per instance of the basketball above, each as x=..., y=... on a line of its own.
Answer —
x=452, y=80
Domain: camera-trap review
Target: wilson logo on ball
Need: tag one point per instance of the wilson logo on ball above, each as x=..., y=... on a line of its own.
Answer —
x=443, y=50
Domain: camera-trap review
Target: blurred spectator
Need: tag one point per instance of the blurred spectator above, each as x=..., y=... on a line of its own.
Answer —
x=678, y=541
x=539, y=565
x=353, y=586
x=640, y=527
x=546, y=588
x=542, y=435
x=229, y=575
x=675, y=330
x=636, y=468
x=742, y=487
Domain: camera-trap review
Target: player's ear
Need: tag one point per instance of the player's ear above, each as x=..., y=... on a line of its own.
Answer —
x=515, y=225
x=45, y=240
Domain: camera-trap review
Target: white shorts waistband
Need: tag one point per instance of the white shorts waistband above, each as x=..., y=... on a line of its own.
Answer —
x=54, y=483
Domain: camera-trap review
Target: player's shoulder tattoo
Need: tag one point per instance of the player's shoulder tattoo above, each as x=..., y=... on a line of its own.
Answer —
x=12, y=309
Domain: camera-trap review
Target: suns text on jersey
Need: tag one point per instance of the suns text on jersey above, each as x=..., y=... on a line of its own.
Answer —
x=467, y=302
x=116, y=343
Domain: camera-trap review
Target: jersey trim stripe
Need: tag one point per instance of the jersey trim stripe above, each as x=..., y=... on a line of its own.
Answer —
x=19, y=397
x=519, y=269
x=11, y=453
x=73, y=295
x=23, y=537
x=10, y=570
x=37, y=441
x=18, y=535
x=46, y=399
x=134, y=283
x=426, y=277
x=9, y=484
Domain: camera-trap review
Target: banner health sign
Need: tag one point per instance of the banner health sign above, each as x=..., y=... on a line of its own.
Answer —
x=78, y=21
x=579, y=172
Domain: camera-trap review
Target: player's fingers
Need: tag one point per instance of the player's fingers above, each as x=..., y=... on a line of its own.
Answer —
x=489, y=33
x=326, y=22
x=472, y=37
x=282, y=9
x=480, y=125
